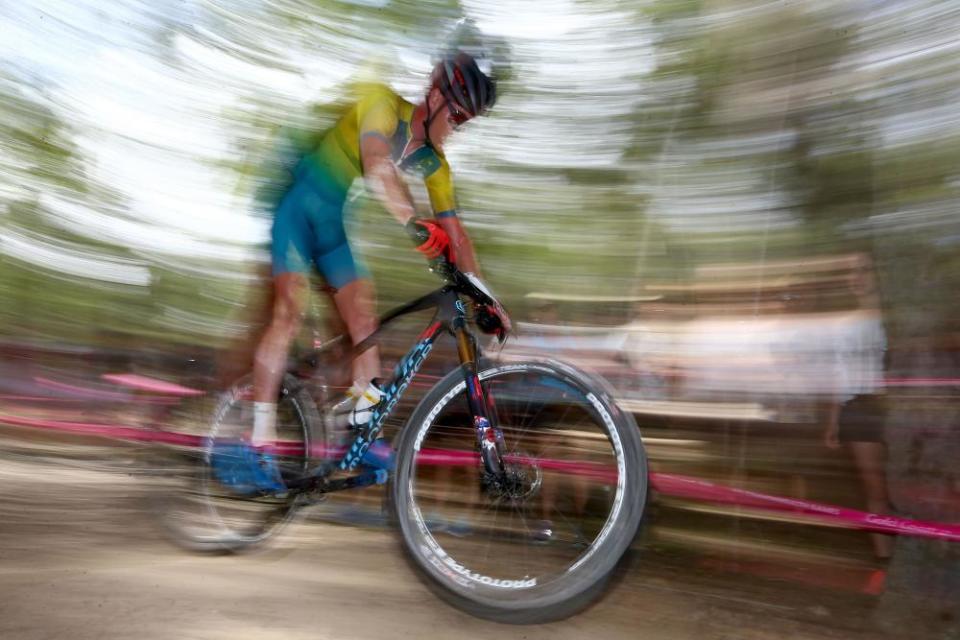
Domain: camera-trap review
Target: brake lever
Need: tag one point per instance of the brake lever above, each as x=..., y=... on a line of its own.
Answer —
x=458, y=280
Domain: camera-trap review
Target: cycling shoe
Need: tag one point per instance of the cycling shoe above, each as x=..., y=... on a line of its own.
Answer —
x=246, y=469
x=380, y=455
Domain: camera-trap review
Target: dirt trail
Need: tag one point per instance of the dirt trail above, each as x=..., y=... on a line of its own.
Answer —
x=80, y=558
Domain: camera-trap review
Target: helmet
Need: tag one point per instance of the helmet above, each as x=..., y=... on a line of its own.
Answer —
x=461, y=82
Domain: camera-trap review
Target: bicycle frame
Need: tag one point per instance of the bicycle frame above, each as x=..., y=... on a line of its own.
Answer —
x=450, y=316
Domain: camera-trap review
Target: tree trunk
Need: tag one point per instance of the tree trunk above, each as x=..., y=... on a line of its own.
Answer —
x=923, y=436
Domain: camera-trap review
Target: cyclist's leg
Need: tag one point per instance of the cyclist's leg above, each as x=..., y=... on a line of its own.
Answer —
x=291, y=250
x=290, y=300
x=355, y=302
x=357, y=307
x=355, y=296
x=236, y=360
x=251, y=464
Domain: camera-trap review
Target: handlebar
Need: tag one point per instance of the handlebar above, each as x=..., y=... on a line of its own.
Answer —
x=489, y=316
x=466, y=284
x=460, y=282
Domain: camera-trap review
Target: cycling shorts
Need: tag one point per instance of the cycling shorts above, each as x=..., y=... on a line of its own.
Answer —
x=308, y=227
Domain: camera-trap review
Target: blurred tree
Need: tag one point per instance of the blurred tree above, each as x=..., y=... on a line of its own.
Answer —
x=810, y=127
x=48, y=272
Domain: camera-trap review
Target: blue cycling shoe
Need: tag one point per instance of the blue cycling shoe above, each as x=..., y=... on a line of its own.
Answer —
x=246, y=469
x=379, y=456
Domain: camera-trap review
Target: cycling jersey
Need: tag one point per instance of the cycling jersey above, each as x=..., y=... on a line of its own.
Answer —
x=308, y=222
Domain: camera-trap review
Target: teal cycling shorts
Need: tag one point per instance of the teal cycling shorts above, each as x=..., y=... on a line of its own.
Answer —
x=308, y=228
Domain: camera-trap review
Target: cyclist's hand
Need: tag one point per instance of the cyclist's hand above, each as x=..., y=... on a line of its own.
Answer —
x=493, y=319
x=430, y=239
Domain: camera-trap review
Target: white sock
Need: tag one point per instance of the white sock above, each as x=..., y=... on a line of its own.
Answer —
x=264, y=423
x=366, y=400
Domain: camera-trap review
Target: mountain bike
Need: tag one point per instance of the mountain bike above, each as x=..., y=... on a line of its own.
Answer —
x=553, y=475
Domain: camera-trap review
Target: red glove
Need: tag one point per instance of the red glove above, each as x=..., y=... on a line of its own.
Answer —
x=430, y=239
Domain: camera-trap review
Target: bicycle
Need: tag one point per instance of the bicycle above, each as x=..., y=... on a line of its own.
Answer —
x=520, y=431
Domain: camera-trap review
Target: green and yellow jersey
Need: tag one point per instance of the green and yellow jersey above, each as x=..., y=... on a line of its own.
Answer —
x=379, y=112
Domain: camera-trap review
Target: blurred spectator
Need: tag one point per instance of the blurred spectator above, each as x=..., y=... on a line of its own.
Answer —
x=653, y=372
x=856, y=418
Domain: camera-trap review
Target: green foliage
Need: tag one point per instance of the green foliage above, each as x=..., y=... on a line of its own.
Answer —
x=726, y=74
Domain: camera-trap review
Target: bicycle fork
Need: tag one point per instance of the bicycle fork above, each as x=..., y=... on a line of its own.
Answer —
x=482, y=408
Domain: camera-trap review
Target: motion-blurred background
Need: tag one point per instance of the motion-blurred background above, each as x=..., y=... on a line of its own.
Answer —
x=742, y=213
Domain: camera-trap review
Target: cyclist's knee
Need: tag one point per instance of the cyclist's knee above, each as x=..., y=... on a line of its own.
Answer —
x=285, y=327
x=287, y=317
x=356, y=305
x=360, y=324
x=363, y=327
x=289, y=305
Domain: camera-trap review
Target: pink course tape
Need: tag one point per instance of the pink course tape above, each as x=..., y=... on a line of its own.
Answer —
x=668, y=484
x=105, y=430
x=144, y=383
x=694, y=489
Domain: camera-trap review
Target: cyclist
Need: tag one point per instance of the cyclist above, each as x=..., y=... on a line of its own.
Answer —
x=380, y=136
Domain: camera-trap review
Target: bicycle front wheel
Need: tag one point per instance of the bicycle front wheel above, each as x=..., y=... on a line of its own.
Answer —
x=542, y=542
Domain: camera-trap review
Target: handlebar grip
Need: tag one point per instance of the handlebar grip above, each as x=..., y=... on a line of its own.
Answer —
x=445, y=269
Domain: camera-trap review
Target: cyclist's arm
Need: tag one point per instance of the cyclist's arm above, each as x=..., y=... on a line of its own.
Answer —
x=439, y=185
x=463, y=252
x=384, y=180
x=378, y=121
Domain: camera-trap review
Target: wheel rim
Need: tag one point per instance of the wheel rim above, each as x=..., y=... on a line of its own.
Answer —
x=212, y=514
x=565, y=446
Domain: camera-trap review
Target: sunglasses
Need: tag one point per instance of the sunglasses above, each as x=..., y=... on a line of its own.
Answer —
x=457, y=117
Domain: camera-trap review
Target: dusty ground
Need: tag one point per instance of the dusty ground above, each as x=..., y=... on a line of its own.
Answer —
x=81, y=558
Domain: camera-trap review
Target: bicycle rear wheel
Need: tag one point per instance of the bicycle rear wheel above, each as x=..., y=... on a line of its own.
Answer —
x=544, y=544
x=200, y=512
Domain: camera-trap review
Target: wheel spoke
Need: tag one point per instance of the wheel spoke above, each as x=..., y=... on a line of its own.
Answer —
x=555, y=438
x=207, y=512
